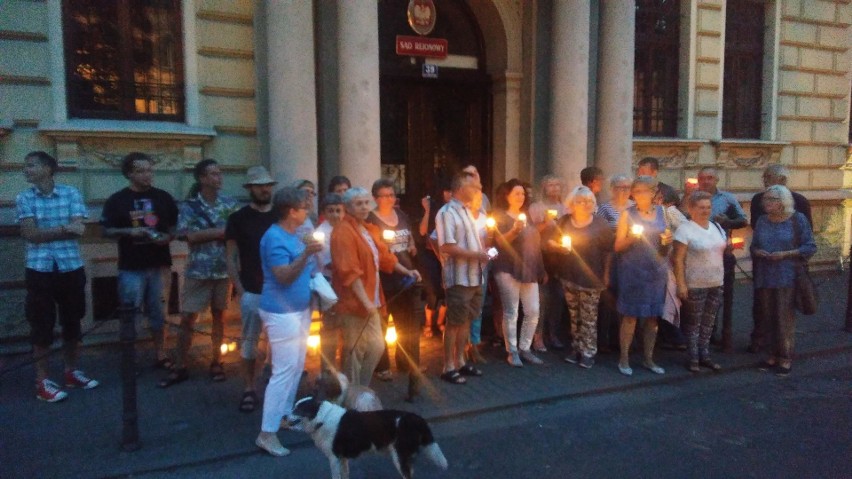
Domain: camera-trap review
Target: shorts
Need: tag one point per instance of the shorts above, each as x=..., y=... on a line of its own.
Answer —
x=463, y=304
x=199, y=293
x=47, y=292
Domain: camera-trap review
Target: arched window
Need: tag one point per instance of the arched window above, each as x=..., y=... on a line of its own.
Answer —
x=124, y=59
x=655, y=77
x=743, y=76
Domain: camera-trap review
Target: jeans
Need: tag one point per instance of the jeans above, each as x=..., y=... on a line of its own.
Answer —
x=511, y=291
x=144, y=287
x=288, y=344
x=249, y=316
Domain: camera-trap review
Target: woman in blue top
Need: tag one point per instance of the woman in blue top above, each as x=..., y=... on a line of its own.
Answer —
x=781, y=239
x=642, y=240
x=288, y=262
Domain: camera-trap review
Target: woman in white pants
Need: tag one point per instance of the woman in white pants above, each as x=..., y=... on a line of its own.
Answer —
x=517, y=270
x=288, y=262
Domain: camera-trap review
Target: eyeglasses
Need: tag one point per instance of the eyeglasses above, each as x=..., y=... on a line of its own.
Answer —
x=388, y=195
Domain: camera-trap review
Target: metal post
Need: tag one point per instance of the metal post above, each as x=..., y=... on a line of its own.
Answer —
x=130, y=417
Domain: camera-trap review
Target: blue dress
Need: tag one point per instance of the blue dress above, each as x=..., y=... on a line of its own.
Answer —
x=642, y=272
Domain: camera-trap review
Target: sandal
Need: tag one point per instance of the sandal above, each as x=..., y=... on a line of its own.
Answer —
x=217, y=373
x=248, y=403
x=470, y=370
x=165, y=364
x=693, y=367
x=453, y=377
x=175, y=376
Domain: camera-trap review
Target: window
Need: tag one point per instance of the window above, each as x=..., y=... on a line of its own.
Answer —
x=124, y=59
x=655, y=76
x=743, y=78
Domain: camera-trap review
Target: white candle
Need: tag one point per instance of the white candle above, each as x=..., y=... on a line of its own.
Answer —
x=388, y=235
x=637, y=230
x=522, y=217
x=566, y=242
x=490, y=223
x=319, y=236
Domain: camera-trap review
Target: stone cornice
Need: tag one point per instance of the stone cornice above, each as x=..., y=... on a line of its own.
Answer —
x=126, y=129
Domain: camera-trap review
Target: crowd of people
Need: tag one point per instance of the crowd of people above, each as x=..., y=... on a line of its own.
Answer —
x=563, y=272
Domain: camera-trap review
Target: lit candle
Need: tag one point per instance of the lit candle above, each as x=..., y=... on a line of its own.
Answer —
x=692, y=181
x=637, y=230
x=566, y=242
x=522, y=217
x=390, y=336
x=737, y=243
x=313, y=341
x=490, y=223
x=223, y=348
x=319, y=236
x=552, y=214
x=388, y=235
x=232, y=346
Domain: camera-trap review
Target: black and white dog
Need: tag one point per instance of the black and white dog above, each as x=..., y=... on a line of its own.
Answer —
x=346, y=434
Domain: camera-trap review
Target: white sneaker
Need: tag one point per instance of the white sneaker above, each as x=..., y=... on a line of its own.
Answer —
x=272, y=445
x=78, y=379
x=47, y=390
x=529, y=357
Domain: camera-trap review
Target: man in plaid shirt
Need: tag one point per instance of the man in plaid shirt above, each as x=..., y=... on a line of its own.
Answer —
x=51, y=218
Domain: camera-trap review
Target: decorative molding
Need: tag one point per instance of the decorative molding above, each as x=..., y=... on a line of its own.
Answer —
x=24, y=80
x=103, y=154
x=671, y=153
x=816, y=71
x=709, y=33
x=811, y=21
x=16, y=35
x=817, y=119
x=813, y=46
x=747, y=154
x=225, y=17
x=227, y=92
x=147, y=130
x=709, y=6
x=709, y=60
x=215, y=52
x=829, y=144
x=829, y=96
x=706, y=86
x=706, y=113
x=235, y=130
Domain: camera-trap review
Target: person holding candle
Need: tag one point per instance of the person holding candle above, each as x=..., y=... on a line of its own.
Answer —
x=583, y=242
x=358, y=253
x=699, y=247
x=517, y=270
x=243, y=232
x=642, y=242
x=331, y=336
x=396, y=233
x=288, y=259
x=782, y=238
x=543, y=215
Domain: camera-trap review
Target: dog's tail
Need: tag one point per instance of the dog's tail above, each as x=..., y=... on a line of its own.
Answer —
x=433, y=452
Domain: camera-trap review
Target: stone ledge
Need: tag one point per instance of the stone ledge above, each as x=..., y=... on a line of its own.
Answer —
x=153, y=130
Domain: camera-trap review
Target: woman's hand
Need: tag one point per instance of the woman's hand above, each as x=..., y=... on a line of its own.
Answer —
x=313, y=247
x=426, y=203
x=682, y=292
x=518, y=226
x=666, y=237
x=415, y=274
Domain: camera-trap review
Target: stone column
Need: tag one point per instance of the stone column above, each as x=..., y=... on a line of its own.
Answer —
x=569, y=89
x=614, y=130
x=358, y=91
x=292, y=93
x=507, y=137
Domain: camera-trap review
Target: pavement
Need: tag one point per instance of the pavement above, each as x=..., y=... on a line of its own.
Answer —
x=197, y=424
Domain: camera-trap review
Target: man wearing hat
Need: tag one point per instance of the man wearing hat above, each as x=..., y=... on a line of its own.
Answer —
x=243, y=232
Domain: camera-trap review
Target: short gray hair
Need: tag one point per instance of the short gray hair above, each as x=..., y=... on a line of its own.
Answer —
x=648, y=181
x=355, y=192
x=581, y=191
x=786, y=197
x=618, y=178
x=777, y=171
x=288, y=198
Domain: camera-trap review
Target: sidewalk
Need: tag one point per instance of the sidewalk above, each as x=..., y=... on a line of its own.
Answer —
x=197, y=421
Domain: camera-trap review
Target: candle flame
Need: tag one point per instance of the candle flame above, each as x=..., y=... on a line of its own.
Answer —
x=388, y=235
x=522, y=217
x=319, y=236
x=637, y=230
x=390, y=336
x=490, y=223
x=313, y=341
x=566, y=242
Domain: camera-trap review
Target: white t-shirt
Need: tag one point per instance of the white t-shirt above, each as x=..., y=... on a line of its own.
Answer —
x=704, y=250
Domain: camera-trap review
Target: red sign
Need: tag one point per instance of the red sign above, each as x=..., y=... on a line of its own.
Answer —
x=421, y=47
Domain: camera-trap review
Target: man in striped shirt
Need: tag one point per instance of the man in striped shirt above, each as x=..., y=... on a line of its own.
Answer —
x=463, y=261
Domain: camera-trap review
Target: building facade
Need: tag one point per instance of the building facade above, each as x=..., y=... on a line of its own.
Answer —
x=413, y=90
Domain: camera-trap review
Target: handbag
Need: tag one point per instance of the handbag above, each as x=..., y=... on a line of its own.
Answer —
x=804, y=290
x=320, y=286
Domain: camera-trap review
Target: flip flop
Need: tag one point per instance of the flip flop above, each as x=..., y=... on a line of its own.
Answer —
x=453, y=377
x=175, y=376
x=248, y=403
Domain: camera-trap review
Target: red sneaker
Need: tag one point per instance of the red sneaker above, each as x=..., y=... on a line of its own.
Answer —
x=77, y=379
x=47, y=390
